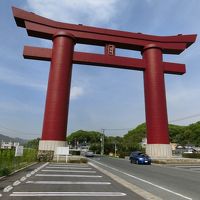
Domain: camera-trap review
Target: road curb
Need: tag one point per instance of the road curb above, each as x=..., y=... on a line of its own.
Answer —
x=146, y=195
x=19, y=170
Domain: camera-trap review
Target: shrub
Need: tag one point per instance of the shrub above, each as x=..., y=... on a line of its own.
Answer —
x=45, y=156
x=83, y=160
x=191, y=155
x=5, y=171
x=77, y=160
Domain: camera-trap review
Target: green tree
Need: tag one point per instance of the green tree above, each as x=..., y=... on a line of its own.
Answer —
x=84, y=137
x=33, y=144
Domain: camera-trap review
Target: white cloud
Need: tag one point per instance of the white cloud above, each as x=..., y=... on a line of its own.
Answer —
x=18, y=79
x=76, y=91
x=77, y=11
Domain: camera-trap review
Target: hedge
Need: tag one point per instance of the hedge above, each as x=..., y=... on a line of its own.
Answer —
x=191, y=155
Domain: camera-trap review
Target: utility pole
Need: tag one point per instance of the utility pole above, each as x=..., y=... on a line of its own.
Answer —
x=115, y=150
x=102, y=142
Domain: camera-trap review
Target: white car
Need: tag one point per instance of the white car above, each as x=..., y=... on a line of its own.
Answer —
x=89, y=154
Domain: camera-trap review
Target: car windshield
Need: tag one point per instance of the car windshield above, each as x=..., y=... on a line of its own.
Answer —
x=143, y=155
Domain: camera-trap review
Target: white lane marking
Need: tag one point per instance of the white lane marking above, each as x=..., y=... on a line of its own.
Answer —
x=187, y=166
x=69, y=168
x=56, y=194
x=16, y=183
x=0, y=195
x=194, y=169
x=68, y=175
x=39, y=168
x=143, y=193
x=33, y=172
x=8, y=188
x=42, y=166
x=69, y=165
x=145, y=181
x=28, y=175
x=72, y=171
x=23, y=178
x=68, y=182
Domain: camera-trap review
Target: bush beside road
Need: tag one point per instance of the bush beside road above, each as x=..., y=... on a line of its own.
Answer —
x=10, y=163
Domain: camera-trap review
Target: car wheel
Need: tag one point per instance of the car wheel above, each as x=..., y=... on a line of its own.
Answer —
x=131, y=161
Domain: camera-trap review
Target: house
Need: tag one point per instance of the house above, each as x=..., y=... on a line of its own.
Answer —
x=9, y=145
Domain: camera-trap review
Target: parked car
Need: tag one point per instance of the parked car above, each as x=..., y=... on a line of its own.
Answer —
x=89, y=154
x=138, y=157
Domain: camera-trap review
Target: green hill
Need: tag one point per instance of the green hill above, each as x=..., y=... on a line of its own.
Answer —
x=178, y=134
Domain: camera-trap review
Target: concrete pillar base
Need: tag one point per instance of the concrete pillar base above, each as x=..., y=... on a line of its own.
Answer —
x=159, y=150
x=50, y=145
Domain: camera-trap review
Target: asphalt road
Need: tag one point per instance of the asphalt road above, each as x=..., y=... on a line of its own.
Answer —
x=166, y=182
x=63, y=181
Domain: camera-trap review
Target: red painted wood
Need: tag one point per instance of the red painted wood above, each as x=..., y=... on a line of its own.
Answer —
x=37, y=53
x=21, y=16
x=41, y=27
x=58, y=92
x=155, y=99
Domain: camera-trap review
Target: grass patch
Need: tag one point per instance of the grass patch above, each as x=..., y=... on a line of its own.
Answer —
x=10, y=163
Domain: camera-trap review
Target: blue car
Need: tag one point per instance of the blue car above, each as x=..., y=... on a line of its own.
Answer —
x=138, y=157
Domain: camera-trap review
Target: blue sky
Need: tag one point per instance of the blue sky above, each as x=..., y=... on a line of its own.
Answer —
x=100, y=97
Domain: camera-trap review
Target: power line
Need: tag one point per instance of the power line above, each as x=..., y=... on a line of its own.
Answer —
x=174, y=120
x=184, y=118
x=9, y=130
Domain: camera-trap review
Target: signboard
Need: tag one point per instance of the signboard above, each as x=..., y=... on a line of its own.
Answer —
x=62, y=151
x=19, y=151
x=110, y=49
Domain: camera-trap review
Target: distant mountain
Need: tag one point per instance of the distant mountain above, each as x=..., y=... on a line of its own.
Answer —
x=10, y=139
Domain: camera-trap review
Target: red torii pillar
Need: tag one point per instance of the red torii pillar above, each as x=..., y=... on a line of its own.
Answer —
x=62, y=56
x=155, y=104
x=58, y=92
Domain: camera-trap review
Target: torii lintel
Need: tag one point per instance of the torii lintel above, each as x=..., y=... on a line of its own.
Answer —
x=42, y=27
x=38, y=53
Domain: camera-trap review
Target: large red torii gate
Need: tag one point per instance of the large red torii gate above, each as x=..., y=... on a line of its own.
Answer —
x=62, y=56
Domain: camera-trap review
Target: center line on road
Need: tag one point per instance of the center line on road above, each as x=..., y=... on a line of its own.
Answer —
x=72, y=171
x=68, y=175
x=145, y=181
x=56, y=194
x=68, y=182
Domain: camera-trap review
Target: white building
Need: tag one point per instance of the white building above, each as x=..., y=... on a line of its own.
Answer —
x=9, y=145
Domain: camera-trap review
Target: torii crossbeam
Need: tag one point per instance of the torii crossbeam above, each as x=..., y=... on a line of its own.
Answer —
x=62, y=56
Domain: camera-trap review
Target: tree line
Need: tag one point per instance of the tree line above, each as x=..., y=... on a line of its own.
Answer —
x=182, y=135
x=130, y=141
